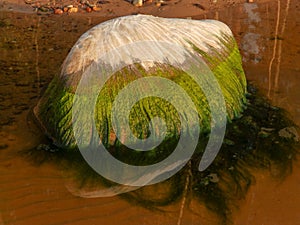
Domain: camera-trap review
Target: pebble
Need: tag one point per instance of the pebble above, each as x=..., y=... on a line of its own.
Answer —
x=44, y=9
x=137, y=3
x=47, y=148
x=88, y=9
x=58, y=11
x=43, y=147
x=267, y=129
x=73, y=10
x=159, y=2
x=228, y=142
x=263, y=134
x=214, y=178
x=96, y=8
x=289, y=133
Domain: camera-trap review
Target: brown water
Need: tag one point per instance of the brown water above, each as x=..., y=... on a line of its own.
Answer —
x=33, y=48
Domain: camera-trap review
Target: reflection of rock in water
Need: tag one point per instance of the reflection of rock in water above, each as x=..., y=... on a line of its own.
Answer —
x=253, y=16
x=263, y=137
x=250, y=46
x=250, y=41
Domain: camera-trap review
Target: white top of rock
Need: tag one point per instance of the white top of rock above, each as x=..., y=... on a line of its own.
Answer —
x=140, y=35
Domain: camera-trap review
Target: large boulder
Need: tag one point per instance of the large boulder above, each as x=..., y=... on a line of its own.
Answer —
x=113, y=54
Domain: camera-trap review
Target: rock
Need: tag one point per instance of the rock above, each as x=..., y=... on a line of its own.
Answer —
x=289, y=133
x=47, y=148
x=43, y=147
x=58, y=11
x=207, y=39
x=88, y=9
x=228, y=142
x=265, y=129
x=137, y=3
x=213, y=177
x=159, y=2
x=73, y=10
x=265, y=132
x=96, y=8
x=44, y=9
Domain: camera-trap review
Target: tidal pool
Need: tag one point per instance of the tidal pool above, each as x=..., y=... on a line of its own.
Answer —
x=40, y=187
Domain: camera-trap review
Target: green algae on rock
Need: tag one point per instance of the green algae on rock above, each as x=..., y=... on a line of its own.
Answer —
x=209, y=40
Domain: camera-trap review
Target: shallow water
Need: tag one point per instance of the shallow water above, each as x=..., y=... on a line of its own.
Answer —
x=32, y=51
